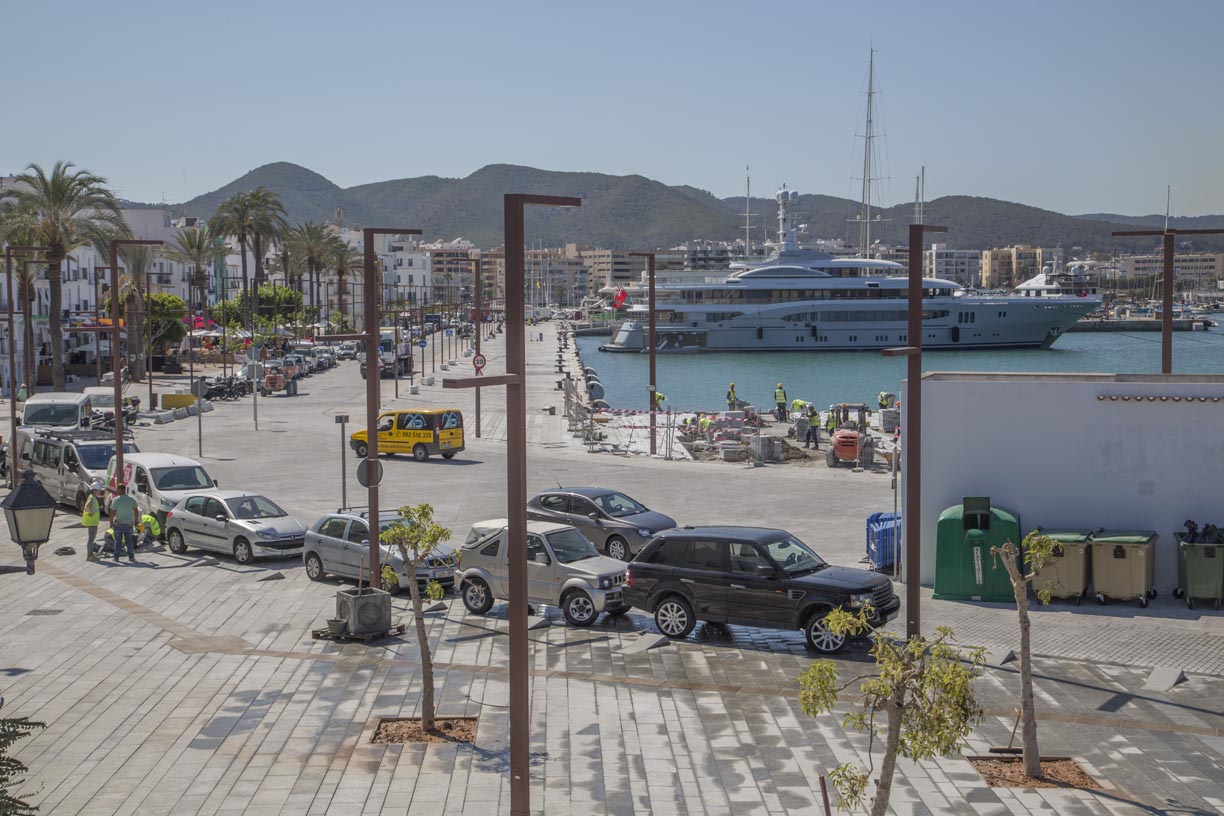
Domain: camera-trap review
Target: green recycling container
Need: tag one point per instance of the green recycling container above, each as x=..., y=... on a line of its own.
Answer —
x=1200, y=571
x=1124, y=565
x=1066, y=576
x=965, y=569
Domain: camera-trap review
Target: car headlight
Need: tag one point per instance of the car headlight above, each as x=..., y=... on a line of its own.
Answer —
x=860, y=600
x=644, y=533
x=267, y=534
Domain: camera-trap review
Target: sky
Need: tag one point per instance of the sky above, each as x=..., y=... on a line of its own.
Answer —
x=1078, y=107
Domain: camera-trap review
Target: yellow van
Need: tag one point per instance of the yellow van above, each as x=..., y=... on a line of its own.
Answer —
x=419, y=432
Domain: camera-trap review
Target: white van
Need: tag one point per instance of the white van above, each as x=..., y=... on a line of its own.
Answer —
x=58, y=411
x=158, y=481
x=66, y=463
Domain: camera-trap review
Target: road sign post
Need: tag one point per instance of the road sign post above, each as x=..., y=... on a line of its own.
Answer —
x=341, y=419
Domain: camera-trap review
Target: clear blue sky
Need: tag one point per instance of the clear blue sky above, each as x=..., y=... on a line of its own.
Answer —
x=1073, y=106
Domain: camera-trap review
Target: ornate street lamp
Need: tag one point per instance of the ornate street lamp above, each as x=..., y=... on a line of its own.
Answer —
x=28, y=511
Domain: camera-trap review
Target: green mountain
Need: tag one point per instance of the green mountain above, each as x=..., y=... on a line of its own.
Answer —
x=1158, y=221
x=637, y=212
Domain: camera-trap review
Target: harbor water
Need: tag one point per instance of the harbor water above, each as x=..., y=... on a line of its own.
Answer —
x=698, y=382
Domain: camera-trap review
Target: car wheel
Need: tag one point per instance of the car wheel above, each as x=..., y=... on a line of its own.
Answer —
x=361, y=450
x=177, y=545
x=830, y=458
x=448, y=456
x=617, y=548
x=579, y=609
x=314, y=567
x=420, y=453
x=80, y=502
x=820, y=637
x=388, y=580
x=242, y=551
x=477, y=597
x=674, y=617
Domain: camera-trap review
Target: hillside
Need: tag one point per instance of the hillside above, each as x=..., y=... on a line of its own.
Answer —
x=1158, y=221
x=637, y=212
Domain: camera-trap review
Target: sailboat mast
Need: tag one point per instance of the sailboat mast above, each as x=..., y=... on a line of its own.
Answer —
x=865, y=210
x=747, y=214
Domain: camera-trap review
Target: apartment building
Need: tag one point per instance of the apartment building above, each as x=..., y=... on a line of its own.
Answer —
x=1010, y=266
x=1191, y=271
x=963, y=266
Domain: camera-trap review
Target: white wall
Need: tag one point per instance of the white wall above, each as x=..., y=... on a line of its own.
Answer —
x=1045, y=446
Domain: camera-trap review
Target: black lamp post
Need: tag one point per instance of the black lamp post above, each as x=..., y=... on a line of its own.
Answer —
x=28, y=511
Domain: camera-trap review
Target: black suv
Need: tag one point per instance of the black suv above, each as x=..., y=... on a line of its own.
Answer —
x=752, y=576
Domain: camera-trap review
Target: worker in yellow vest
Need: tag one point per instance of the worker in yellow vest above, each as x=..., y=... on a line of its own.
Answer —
x=151, y=527
x=732, y=400
x=780, y=402
x=658, y=401
x=91, y=516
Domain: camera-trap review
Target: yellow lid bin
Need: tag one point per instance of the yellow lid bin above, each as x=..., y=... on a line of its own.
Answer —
x=1124, y=565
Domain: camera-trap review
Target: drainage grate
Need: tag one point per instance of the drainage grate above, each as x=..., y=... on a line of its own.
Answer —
x=44, y=611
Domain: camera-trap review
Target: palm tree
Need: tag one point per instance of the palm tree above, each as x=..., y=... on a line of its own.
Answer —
x=312, y=244
x=72, y=208
x=256, y=216
x=136, y=259
x=343, y=259
x=17, y=229
x=268, y=228
x=196, y=248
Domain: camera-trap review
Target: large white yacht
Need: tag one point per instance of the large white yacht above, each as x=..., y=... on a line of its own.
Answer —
x=804, y=300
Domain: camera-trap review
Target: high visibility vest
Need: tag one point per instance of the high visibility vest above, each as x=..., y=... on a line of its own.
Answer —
x=798, y=405
x=91, y=514
x=659, y=397
x=150, y=524
x=779, y=396
x=731, y=395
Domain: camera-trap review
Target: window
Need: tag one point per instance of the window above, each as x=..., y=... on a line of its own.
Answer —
x=618, y=505
x=386, y=423
x=195, y=505
x=178, y=478
x=674, y=552
x=492, y=547
x=535, y=546
x=710, y=555
x=569, y=545
x=142, y=480
x=555, y=503
x=583, y=507
x=254, y=507
x=745, y=557
x=333, y=528
x=358, y=532
x=212, y=508
x=794, y=555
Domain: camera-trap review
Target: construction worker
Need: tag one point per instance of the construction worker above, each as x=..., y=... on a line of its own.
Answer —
x=91, y=516
x=798, y=406
x=780, y=402
x=813, y=430
x=658, y=401
x=732, y=400
x=152, y=530
x=831, y=421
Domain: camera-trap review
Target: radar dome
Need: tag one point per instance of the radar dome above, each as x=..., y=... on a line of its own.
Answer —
x=794, y=195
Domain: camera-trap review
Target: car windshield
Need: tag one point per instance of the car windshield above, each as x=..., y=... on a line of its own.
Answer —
x=96, y=457
x=102, y=400
x=253, y=507
x=190, y=477
x=617, y=505
x=51, y=414
x=571, y=545
x=794, y=555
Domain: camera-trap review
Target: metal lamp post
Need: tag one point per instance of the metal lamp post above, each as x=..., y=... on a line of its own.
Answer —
x=29, y=510
x=516, y=487
x=653, y=386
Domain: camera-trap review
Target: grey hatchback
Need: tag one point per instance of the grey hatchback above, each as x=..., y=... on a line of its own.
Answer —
x=617, y=524
x=339, y=544
x=233, y=521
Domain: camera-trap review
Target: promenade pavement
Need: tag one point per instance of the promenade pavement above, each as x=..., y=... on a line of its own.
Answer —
x=191, y=684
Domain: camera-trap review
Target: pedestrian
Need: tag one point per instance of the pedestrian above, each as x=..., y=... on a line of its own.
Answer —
x=658, y=400
x=152, y=529
x=541, y=337
x=732, y=400
x=813, y=431
x=124, y=514
x=91, y=515
x=780, y=402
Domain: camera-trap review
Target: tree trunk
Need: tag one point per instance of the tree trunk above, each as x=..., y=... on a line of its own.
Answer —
x=340, y=293
x=427, y=679
x=1028, y=714
x=56, y=324
x=892, y=746
x=257, y=249
x=29, y=359
x=246, y=285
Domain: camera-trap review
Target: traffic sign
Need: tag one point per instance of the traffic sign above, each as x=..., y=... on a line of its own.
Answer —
x=422, y=343
x=450, y=332
x=363, y=468
x=478, y=362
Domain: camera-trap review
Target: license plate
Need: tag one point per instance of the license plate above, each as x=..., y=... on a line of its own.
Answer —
x=442, y=573
x=446, y=444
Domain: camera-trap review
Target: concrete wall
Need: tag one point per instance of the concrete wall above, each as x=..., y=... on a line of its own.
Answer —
x=1048, y=447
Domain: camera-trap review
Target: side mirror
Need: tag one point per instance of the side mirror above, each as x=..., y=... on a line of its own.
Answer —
x=221, y=517
x=216, y=483
x=766, y=571
x=594, y=517
x=365, y=542
x=541, y=558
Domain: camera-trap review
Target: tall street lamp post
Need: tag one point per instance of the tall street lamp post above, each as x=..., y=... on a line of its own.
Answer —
x=12, y=351
x=115, y=350
x=913, y=420
x=516, y=487
x=652, y=388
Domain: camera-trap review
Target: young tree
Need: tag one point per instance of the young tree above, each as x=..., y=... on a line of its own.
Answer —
x=417, y=537
x=1039, y=551
x=923, y=689
x=11, y=770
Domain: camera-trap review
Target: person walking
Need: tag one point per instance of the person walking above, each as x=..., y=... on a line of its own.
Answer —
x=124, y=514
x=732, y=400
x=152, y=529
x=813, y=431
x=91, y=516
x=780, y=402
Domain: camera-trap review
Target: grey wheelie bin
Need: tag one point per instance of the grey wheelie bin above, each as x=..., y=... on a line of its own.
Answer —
x=1066, y=576
x=1124, y=565
x=1200, y=571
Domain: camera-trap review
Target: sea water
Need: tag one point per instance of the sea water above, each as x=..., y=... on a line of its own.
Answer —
x=698, y=382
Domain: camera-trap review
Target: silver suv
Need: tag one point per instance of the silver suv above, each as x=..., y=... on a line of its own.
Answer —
x=339, y=543
x=563, y=569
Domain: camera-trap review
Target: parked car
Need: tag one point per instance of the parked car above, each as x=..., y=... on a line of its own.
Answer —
x=615, y=522
x=67, y=463
x=752, y=576
x=158, y=481
x=347, y=351
x=339, y=544
x=246, y=525
x=421, y=432
x=563, y=569
x=299, y=364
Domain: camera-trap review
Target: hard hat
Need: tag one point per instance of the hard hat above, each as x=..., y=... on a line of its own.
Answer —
x=96, y=484
x=779, y=385
x=732, y=385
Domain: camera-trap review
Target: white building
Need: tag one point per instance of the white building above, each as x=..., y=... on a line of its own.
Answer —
x=964, y=266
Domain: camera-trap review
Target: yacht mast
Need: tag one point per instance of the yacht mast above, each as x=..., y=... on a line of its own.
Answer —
x=865, y=208
x=747, y=214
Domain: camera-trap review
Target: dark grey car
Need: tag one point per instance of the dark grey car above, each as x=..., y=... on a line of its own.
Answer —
x=614, y=522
